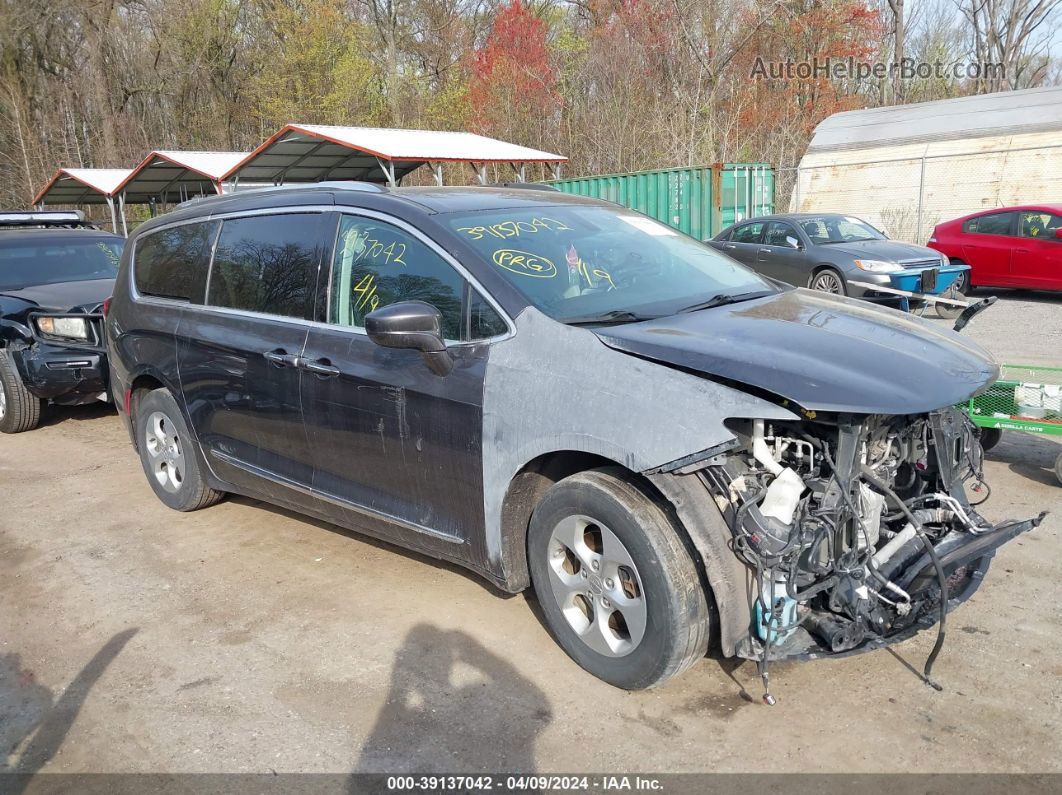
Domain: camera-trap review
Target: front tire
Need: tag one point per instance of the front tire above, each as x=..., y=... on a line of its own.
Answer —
x=618, y=588
x=169, y=455
x=830, y=281
x=989, y=438
x=20, y=409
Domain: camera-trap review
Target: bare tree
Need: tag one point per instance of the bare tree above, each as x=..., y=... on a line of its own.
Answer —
x=1015, y=34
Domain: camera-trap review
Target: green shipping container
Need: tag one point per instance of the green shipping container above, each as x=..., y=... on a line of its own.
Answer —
x=698, y=201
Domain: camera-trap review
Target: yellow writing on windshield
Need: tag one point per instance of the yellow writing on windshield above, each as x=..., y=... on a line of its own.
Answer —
x=507, y=229
x=524, y=263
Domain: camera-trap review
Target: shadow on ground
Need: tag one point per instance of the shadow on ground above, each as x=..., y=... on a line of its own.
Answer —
x=1029, y=455
x=33, y=723
x=55, y=415
x=454, y=706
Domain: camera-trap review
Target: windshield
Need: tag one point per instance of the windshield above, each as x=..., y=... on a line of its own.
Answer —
x=585, y=263
x=51, y=260
x=828, y=229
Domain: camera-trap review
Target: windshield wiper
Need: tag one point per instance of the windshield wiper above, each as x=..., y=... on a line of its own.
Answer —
x=612, y=316
x=722, y=300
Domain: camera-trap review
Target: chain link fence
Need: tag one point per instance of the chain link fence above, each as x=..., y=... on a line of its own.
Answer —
x=908, y=197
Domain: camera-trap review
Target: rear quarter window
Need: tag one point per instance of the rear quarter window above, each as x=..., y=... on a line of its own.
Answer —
x=173, y=262
x=994, y=224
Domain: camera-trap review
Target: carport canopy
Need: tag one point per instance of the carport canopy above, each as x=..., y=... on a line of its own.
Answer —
x=78, y=186
x=315, y=152
x=166, y=176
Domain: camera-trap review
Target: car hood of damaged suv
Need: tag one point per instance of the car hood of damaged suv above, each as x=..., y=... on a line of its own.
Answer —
x=823, y=352
x=64, y=296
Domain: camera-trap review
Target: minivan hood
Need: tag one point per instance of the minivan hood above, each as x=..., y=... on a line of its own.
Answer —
x=65, y=296
x=824, y=352
x=887, y=250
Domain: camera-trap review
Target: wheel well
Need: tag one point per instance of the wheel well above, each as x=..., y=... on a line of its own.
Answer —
x=526, y=490
x=141, y=385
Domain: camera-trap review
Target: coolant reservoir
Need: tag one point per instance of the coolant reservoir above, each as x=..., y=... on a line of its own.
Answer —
x=782, y=496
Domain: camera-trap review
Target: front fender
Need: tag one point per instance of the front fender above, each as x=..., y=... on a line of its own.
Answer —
x=555, y=387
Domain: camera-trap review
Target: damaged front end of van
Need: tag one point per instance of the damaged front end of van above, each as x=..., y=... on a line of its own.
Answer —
x=856, y=521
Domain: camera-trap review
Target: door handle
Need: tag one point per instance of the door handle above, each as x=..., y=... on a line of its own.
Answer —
x=1021, y=251
x=279, y=358
x=729, y=245
x=320, y=367
x=765, y=251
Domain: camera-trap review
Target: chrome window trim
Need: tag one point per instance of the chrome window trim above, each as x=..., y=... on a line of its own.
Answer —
x=306, y=209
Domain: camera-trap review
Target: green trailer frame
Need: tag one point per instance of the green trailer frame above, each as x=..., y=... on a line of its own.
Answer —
x=1027, y=398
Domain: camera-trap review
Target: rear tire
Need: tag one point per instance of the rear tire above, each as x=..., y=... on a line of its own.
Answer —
x=830, y=281
x=1058, y=468
x=619, y=590
x=170, y=455
x=20, y=409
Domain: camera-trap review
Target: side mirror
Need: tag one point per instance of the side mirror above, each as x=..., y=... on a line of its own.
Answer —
x=413, y=325
x=792, y=242
x=1058, y=233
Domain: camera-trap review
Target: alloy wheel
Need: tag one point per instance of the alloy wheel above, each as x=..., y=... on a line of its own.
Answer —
x=3, y=402
x=827, y=282
x=165, y=450
x=597, y=586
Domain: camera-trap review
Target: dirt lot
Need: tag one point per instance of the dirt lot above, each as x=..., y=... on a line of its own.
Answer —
x=246, y=639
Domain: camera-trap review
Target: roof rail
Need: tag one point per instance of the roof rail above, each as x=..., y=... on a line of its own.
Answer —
x=522, y=185
x=370, y=187
x=45, y=218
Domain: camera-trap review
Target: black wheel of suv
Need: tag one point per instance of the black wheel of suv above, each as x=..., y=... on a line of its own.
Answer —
x=989, y=437
x=618, y=588
x=169, y=454
x=20, y=409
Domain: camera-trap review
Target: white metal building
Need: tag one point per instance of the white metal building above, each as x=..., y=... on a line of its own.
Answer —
x=166, y=176
x=77, y=187
x=316, y=152
x=909, y=167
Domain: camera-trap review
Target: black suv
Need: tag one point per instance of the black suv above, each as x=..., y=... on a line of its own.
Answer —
x=55, y=272
x=559, y=392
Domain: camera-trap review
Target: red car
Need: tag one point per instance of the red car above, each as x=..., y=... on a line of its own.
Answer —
x=1008, y=247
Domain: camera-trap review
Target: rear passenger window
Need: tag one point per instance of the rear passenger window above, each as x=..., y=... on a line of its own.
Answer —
x=994, y=224
x=377, y=264
x=173, y=262
x=268, y=263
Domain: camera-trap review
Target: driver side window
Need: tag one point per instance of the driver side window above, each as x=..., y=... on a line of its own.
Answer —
x=377, y=263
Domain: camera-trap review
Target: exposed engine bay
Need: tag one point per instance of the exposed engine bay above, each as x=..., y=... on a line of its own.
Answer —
x=858, y=528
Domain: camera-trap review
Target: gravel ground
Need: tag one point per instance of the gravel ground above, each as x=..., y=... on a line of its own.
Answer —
x=243, y=638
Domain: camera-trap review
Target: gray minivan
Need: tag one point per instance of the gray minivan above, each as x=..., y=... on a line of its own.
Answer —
x=559, y=393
